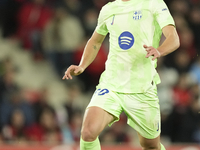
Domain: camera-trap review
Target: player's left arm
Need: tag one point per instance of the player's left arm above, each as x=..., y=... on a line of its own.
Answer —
x=170, y=44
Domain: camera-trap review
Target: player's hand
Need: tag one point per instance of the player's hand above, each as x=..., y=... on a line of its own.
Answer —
x=73, y=70
x=151, y=51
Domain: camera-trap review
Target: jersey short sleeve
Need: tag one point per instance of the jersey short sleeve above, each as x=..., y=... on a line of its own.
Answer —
x=161, y=13
x=101, y=25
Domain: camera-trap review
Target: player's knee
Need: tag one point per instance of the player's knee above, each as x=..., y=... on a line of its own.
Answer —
x=88, y=134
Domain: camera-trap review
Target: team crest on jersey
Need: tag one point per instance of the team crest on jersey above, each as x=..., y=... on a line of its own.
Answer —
x=137, y=15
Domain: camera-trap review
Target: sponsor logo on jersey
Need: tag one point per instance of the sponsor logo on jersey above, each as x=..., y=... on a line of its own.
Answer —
x=137, y=15
x=126, y=40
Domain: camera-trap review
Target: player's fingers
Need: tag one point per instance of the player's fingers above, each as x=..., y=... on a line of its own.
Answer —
x=145, y=46
x=63, y=77
x=148, y=49
x=68, y=72
x=154, y=58
x=151, y=53
x=148, y=54
x=69, y=76
x=71, y=71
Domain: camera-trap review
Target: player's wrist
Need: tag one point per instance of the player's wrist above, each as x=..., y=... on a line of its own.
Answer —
x=160, y=53
x=82, y=67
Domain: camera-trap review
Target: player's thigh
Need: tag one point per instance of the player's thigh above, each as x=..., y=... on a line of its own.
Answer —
x=94, y=121
x=149, y=143
x=103, y=109
x=143, y=112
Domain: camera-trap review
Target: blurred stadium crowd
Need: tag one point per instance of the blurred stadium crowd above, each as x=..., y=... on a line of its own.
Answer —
x=56, y=31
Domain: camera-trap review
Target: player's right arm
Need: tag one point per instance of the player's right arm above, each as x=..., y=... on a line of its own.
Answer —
x=90, y=52
x=91, y=49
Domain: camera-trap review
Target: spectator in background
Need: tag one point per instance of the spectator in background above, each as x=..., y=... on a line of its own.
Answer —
x=71, y=130
x=7, y=65
x=181, y=11
x=47, y=130
x=7, y=83
x=185, y=56
x=75, y=125
x=8, y=16
x=32, y=17
x=183, y=124
x=2, y=7
x=195, y=24
x=180, y=22
x=187, y=43
x=180, y=6
x=195, y=70
x=194, y=2
x=181, y=92
x=61, y=37
x=76, y=100
x=14, y=132
x=99, y=4
x=195, y=91
x=181, y=61
x=73, y=112
x=16, y=101
x=169, y=77
x=90, y=21
x=74, y=7
x=173, y=122
x=1, y=138
x=41, y=103
x=96, y=4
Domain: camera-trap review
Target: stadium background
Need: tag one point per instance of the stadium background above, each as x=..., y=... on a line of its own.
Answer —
x=40, y=39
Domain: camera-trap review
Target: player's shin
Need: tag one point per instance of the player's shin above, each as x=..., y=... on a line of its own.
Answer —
x=94, y=145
